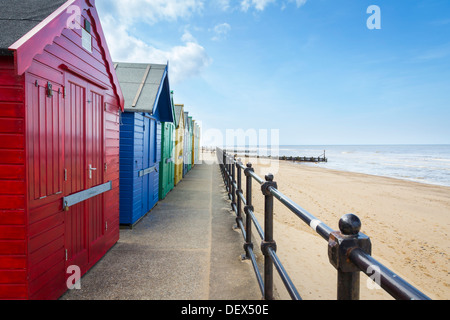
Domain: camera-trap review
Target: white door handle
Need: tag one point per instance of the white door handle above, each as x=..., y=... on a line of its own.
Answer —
x=90, y=171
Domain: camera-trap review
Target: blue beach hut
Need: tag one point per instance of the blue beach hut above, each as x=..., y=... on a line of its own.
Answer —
x=147, y=96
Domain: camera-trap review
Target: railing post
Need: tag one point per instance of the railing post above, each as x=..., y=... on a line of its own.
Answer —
x=248, y=219
x=224, y=163
x=340, y=245
x=233, y=183
x=219, y=154
x=225, y=167
x=239, y=191
x=230, y=178
x=268, y=242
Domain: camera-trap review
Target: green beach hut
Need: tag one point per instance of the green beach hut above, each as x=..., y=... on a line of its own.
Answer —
x=167, y=164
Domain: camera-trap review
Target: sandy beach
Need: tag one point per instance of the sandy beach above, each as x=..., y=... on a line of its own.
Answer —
x=408, y=224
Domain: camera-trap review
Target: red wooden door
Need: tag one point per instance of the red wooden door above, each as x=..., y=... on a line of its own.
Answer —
x=45, y=136
x=95, y=170
x=75, y=171
x=45, y=169
x=84, y=158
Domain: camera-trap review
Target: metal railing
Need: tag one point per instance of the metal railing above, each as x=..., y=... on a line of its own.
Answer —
x=349, y=250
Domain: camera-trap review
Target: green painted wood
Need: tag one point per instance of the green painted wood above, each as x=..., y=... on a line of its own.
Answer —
x=167, y=164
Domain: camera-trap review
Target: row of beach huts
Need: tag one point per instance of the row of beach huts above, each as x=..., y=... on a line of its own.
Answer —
x=86, y=144
x=159, y=141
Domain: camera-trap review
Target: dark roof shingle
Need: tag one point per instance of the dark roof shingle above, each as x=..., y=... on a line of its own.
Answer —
x=17, y=17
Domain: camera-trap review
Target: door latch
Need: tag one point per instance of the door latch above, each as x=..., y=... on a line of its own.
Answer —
x=90, y=171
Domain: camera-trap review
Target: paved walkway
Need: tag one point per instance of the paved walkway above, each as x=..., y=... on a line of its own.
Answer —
x=184, y=249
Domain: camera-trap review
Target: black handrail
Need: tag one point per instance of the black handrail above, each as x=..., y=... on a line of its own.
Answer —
x=349, y=250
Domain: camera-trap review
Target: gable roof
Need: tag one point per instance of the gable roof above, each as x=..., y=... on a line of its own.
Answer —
x=191, y=124
x=17, y=17
x=186, y=121
x=38, y=22
x=179, y=114
x=146, y=88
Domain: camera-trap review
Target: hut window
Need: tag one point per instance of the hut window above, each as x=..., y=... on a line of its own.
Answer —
x=87, y=26
x=86, y=36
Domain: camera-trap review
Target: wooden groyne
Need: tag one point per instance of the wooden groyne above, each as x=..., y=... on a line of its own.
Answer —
x=248, y=153
x=304, y=159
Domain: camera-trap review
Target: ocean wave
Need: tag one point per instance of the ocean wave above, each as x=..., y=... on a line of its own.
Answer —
x=440, y=159
x=427, y=164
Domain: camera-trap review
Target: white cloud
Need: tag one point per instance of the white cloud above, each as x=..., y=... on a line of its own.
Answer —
x=185, y=60
x=188, y=37
x=152, y=11
x=260, y=5
x=223, y=4
x=299, y=2
x=220, y=31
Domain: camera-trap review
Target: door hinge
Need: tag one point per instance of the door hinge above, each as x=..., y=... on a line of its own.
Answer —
x=66, y=254
x=65, y=174
x=106, y=167
x=106, y=225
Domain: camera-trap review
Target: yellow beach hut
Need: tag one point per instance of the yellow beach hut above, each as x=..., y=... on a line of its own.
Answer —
x=179, y=142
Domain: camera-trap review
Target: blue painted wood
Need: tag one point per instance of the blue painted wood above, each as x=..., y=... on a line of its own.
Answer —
x=138, y=151
x=145, y=165
x=126, y=167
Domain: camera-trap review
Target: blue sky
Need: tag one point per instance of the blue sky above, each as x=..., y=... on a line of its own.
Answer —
x=312, y=69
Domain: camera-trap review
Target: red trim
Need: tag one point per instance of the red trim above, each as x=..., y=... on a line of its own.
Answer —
x=34, y=42
x=82, y=75
x=36, y=39
x=105, y=51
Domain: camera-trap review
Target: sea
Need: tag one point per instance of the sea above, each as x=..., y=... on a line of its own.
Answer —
x=421, y=163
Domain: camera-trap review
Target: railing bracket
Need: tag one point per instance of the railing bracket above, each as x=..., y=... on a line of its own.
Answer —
x=247, y=208
x=246, y=255
x=269, y=183
x=341, y=243
x=265, y=245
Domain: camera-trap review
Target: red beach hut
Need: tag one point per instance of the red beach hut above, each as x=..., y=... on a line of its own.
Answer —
x=59, y=146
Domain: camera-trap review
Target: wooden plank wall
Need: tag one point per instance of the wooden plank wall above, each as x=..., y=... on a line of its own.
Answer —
x=13, y=264
x=45, y=244
x=36, y=239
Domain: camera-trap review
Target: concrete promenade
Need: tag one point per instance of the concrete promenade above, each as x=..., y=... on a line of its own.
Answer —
x=184, y=249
